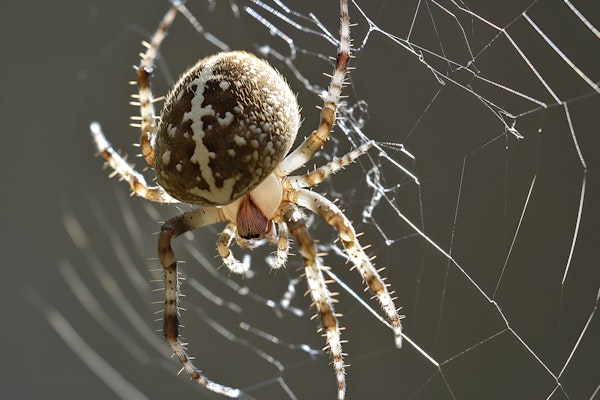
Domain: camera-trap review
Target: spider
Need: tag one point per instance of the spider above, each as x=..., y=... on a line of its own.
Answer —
x=222, y=143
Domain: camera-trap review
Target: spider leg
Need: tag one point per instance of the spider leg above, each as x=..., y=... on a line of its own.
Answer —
x=223, y=243
x=171, y=229
x=145, y=99
x=318, y=175
x=282, y=241
x=334, y=217
x=317, y=285
x=125, y=170
x=313, y=143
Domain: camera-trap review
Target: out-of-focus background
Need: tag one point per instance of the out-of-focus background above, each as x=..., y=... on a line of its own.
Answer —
x=480, y=198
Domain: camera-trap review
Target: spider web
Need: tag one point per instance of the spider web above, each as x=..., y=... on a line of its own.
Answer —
x=479, y=197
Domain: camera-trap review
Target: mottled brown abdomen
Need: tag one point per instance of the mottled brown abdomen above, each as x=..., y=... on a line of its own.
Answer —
x=225, y=126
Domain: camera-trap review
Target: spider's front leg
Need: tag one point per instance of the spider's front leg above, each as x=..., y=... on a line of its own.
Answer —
x=171, y=229
x=330, y=213
x=223, y=243
x=317, y=285
x=282, y=242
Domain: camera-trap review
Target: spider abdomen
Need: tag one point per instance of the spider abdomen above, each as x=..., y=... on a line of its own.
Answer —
x=224, y=128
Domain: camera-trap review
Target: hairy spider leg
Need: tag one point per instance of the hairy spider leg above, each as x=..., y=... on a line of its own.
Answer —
x=315, y=141
x=317, y=286
x=170, y=230
x=145, y=99
x=331, y=214
x=125, y=171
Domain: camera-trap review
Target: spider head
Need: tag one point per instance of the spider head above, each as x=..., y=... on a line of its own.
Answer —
x=253, y=214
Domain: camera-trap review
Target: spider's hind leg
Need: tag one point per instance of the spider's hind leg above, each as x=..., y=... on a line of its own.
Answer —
x=144, y=98
x=125, y=171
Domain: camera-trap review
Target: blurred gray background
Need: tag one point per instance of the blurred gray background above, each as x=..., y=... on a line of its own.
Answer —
x=67, y=63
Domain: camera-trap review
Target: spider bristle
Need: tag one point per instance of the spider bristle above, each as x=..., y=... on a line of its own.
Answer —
x=158, y=99
x=146, y=44
x=160, y=289
x=132, y=83
x=135, y=118
x=380, y=269
x=314, y=317
x=338, y=315
x=135, y=103
x=134, y=95
x=134, y=125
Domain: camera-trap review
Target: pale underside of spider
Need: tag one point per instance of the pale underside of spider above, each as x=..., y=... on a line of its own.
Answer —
x=222, y=143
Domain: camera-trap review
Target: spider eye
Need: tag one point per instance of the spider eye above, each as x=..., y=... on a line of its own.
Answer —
x=251, y=222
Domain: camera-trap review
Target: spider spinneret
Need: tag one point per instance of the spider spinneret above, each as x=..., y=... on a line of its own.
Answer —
x=222, y=144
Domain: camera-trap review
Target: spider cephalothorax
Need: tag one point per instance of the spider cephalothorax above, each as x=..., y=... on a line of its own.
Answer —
x=222, y=144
